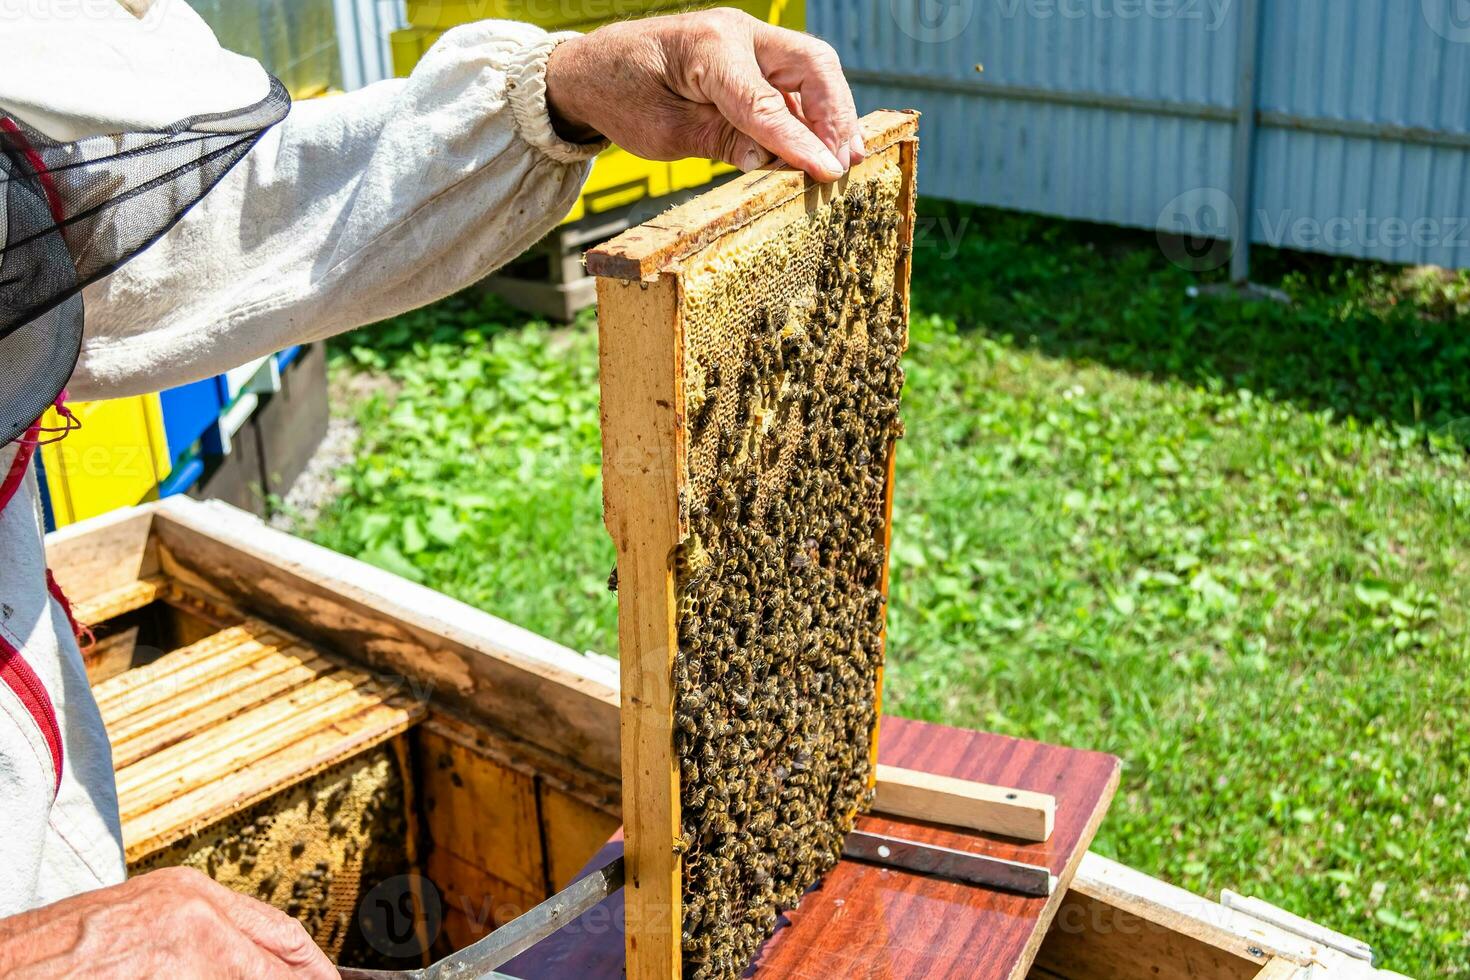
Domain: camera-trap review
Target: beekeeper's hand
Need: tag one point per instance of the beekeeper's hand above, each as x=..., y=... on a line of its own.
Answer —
x=169, y=923
x=716, y=83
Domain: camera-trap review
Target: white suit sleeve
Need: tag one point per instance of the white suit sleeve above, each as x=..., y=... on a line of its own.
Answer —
x=354, y=208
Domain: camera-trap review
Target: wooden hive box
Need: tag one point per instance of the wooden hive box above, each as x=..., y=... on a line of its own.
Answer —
x=750, y=342
x=331, y=739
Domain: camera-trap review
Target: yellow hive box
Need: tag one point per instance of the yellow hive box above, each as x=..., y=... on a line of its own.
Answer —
x=618, y=177
x=116, y=459
x=583, y=15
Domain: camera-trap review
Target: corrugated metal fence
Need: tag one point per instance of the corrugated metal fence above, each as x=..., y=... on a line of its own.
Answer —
x=1338, y=126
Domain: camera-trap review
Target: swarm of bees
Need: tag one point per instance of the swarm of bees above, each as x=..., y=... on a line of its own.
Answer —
x=781, y=609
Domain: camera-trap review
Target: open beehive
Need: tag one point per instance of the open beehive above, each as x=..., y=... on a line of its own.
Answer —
x=750, y=346
x=330, y=748
x=473, y=764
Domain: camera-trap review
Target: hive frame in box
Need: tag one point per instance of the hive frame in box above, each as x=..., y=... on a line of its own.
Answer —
x=641, y=290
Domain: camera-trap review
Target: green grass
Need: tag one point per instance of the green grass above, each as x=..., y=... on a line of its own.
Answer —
x=1224, y=540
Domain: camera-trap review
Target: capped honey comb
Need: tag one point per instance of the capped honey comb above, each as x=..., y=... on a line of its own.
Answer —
x=751, y=382
x=313, y=850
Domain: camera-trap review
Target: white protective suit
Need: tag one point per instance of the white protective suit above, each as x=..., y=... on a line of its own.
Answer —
x=354, y=208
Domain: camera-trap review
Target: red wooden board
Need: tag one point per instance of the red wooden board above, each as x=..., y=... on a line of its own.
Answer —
x=866, y=921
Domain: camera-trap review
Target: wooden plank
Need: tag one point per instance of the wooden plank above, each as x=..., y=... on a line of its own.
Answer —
x=908, y=148
x=412, y=839
x=643, y=460
x=169, y=700
x=573, y=831
x=153, y=828
x=1275, y=915
x=1178, y=927
x=110, y=655
x=114, y=602
x=104, y=553
x=226, y=748
x=270, y=677
x=473, y=901
x=993, y=934
x=488, y=821
x=1163, y=940
x=1281, y=968
x=1150, y=928
x=176, y=672
x=641, y=252
x=597, y=791
x=1091, y=940
x=481, y=811
x=493, y=672
x=964, y=803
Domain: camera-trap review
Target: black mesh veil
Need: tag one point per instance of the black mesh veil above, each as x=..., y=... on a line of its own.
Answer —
x=70, y=213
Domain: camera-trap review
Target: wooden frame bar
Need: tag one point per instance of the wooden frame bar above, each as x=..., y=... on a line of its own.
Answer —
x=642, y=444
x=964, y=803
x=447, y=653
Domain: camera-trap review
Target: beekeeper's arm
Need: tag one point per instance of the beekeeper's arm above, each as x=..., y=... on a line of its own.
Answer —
x=364, y=205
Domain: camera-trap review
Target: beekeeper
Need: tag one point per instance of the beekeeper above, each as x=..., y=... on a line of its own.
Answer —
x=166, y=214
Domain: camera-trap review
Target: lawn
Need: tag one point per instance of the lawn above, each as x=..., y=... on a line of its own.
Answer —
x=1226, y=540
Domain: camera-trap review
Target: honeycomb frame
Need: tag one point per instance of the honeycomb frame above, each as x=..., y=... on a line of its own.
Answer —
x=749, y=353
